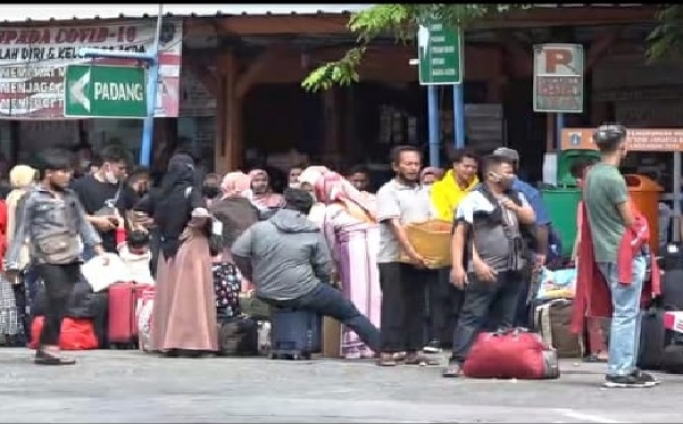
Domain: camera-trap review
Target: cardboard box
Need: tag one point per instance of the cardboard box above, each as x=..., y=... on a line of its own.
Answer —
x=331, y=338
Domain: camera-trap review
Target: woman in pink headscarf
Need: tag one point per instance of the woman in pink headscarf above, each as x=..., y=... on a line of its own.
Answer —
x=261, y=193
x=352, y=233
x=236, y=213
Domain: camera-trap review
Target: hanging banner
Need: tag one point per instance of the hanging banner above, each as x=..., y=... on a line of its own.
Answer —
x=33, y=62
x=637, y=140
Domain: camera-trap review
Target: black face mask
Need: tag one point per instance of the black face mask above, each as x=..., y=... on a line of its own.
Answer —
x=210, y=192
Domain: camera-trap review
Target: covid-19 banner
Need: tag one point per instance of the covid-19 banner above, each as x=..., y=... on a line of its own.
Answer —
x=33, y=61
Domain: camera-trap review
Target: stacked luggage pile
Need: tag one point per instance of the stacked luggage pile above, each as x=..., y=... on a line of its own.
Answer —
x=118, y=315
x=247, y=326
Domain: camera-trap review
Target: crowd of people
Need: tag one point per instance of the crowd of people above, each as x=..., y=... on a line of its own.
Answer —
x=325, y=244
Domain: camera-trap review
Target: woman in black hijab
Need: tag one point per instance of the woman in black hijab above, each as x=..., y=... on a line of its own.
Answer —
x=184, y=319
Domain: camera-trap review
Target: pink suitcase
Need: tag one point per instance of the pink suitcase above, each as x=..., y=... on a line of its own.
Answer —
x=123, y=298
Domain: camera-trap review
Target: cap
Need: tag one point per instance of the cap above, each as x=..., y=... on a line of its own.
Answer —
x=506, y=152
x=608, y=133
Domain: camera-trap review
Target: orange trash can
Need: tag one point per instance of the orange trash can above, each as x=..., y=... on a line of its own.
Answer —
x=645, y=195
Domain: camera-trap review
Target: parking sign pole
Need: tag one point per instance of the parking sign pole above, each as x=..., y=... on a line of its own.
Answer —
x=559, y=125
x=152, y=59
x=433, y=116
x=152, y=87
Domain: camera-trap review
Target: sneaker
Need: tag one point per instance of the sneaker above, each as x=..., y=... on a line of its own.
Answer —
x=636, y=379
x=646, y=376
x=433, y=347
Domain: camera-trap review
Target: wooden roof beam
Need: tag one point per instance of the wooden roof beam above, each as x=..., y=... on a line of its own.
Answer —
x=257, y=68
x=290, y=24
x=570, y=16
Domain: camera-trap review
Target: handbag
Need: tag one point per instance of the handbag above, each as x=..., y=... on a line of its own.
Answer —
x=63, y=246
x=109, y=208
x=511, y=353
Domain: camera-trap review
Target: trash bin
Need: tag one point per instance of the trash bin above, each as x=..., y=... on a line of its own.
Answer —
x=568, y=157
x=645, y=195
x=561, y=202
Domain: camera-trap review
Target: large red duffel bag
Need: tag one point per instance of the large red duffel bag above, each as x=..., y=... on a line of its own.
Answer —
x=76, y=334
x=511, y=353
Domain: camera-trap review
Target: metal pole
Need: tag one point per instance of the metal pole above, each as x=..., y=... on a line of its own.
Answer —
x=459, y=115
x=152, y=82
x=676, y=222
x=433, y=116
x=559, y=126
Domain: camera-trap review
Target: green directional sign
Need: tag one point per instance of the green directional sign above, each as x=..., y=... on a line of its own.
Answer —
x=96, y=91
x=439, y=49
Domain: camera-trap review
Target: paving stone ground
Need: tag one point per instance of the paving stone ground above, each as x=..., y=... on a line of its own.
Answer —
x=129, y=386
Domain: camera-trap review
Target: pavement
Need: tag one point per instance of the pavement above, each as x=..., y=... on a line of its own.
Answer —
x=130, y=386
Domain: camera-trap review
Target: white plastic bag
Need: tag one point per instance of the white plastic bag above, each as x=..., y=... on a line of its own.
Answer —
x=101, y=276
x=143, y=313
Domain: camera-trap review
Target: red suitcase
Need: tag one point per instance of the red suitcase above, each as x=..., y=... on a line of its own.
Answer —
x=123, y=298
x=511, y=353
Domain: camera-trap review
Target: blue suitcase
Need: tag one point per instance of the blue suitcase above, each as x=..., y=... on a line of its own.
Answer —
x=295, y=334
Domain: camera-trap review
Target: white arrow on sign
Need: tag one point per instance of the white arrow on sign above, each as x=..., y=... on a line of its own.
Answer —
x=77, y=90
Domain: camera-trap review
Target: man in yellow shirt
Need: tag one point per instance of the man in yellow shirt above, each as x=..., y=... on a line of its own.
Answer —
x=458, y=181
x=446, y=194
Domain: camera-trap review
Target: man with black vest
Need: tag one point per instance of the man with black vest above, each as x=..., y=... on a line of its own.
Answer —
x=493, y=224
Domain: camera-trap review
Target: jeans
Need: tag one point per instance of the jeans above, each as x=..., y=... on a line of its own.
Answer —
x=444, y=303
x=59, y=282
x=328, y=301
x=624, y=338
x=403, y=307
x=491, y=304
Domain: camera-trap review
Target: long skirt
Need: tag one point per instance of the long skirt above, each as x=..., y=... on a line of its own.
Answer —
x=358, y=245
x=9, y=318
x=184, y=315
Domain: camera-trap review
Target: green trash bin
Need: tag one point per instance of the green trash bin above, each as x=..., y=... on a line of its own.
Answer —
x=567, y=157
x=561, y=203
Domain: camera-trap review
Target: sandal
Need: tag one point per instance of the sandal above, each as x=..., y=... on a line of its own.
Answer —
x=418, y=359
x=594, y=358
x=386, y=360
x=453, y=370
x=44, y=358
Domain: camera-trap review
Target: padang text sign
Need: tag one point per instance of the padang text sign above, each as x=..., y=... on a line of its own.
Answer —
x=640, y=140
x=33, y=63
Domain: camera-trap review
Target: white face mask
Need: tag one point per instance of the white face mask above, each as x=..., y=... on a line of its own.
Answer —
x=110, y=177
x=295, y=184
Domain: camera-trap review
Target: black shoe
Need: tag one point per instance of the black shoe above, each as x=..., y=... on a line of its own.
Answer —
x=637, y=379
x=433, y=347
x=453, y=370
x=44, y=358
x=646, y=376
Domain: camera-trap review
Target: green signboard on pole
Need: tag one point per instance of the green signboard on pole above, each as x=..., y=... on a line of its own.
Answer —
x=439, y=49
x=97, y=91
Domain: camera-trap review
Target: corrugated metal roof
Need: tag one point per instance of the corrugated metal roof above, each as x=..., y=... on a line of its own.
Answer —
x=64, y=12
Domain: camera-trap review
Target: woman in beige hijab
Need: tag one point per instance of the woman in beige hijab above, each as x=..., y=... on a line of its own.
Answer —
x=21, y=177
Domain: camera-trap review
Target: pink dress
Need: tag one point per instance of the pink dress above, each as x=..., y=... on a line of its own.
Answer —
x=354, y=245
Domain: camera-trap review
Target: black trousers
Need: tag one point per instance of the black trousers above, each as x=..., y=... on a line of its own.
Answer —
x=403, y=307
x=59, y=281
x=486, y=304
x=444, y=303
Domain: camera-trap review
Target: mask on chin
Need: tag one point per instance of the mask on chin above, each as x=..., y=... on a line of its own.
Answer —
x=110, y=177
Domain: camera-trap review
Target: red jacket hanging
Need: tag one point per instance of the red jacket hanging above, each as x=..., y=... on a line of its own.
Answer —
x=593, y=297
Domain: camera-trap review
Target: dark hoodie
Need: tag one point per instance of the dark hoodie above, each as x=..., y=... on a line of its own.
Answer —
x=288, y=254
